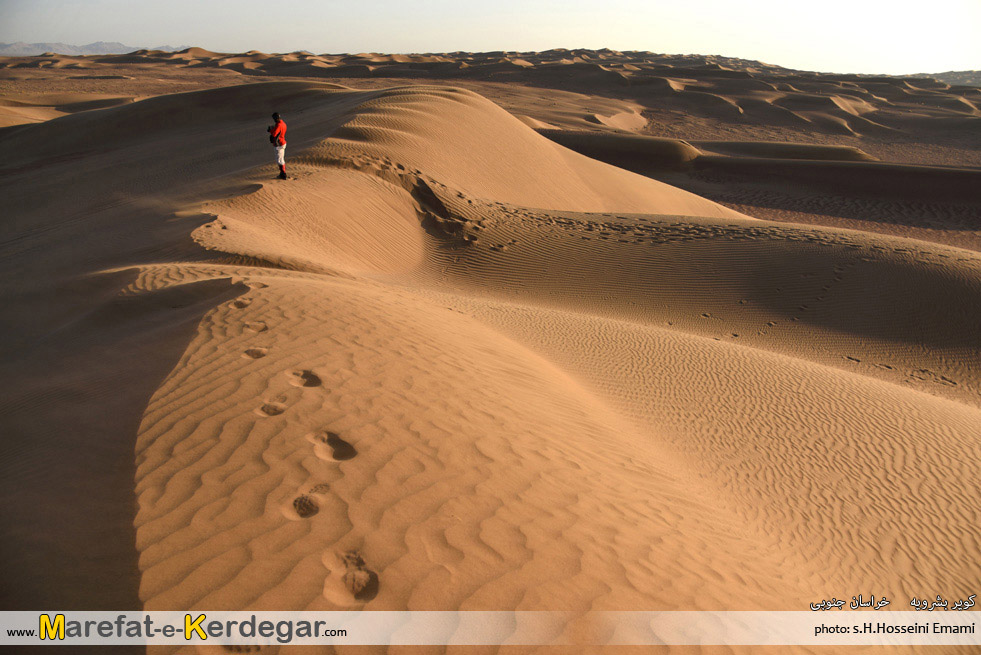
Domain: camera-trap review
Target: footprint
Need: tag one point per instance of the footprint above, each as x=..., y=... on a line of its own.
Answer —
x=303, y=378
x=305, y=506
x=926, y=375
x=271, y=409
x=255, y=353
x=853, y=359
x=256, y=326
x=349, y=581
x=321, y=488
x=340, y=450
x=241, y=303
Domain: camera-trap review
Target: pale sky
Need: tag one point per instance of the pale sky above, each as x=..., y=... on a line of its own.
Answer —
x=842, y=36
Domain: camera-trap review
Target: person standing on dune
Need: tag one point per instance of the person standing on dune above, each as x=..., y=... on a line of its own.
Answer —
x=277, y=137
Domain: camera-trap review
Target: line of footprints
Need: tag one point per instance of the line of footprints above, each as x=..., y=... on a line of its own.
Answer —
x=349, y=578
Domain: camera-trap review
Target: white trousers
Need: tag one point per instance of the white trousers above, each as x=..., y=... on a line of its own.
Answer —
x=281, y=155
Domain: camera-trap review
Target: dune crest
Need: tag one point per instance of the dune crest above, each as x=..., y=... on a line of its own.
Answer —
x=471, y=145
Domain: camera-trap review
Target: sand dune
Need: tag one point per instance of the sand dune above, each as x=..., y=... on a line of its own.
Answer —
x=16, y=110
x=714, y=87
x=473, y=355
x=435, y=131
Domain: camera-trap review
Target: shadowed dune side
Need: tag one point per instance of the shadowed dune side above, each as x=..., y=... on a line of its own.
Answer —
x=915, y=213
x=75, y=391
x=633, y=152
x=783, y=150
x=899, y=181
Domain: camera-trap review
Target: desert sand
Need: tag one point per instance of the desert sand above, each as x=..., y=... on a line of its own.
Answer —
x=574, y=330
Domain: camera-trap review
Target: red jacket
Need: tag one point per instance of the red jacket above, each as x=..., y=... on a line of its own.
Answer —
x=278, y=132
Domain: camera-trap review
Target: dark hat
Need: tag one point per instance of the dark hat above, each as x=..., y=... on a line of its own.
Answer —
x=275, y=115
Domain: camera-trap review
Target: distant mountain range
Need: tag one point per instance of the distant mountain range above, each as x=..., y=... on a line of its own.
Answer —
x=21, y=49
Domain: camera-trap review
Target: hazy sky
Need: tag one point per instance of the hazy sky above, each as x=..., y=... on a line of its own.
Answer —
x=866, y=36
